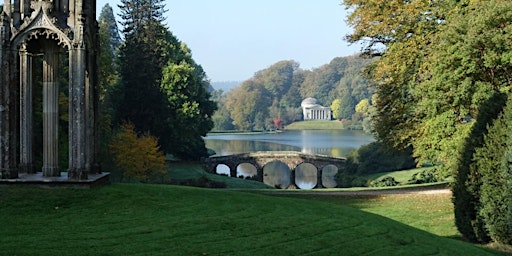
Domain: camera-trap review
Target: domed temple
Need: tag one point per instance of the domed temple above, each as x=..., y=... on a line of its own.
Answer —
x=311, y=110
x=43, y=42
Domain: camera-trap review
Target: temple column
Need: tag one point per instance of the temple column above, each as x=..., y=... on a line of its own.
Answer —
x=16, y=14
x=51, y=112
x=77, y=115
x=26, y=117
x=25, y=8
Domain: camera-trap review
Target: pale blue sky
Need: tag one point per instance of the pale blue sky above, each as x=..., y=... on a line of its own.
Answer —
x=233, y=39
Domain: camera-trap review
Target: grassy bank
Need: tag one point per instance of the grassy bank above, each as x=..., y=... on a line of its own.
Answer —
x=135, y=219
x=316, y=125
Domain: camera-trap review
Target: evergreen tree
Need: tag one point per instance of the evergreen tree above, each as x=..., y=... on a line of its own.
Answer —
x=165, y=91
x=108, y=78
x=493, y=163
x=108, y=24
x=142, y=58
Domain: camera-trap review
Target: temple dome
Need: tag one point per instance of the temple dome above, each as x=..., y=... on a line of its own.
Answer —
x=309, y=102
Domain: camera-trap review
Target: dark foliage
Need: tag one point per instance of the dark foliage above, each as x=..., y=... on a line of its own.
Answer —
x=386, y=181
x=493, y=162
x=377, y=157
x=204, y=182
x=426, y=176
x=466, y=195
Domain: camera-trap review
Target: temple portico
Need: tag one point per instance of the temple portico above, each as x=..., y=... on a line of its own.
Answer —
x=311, y=110
x=48, y=35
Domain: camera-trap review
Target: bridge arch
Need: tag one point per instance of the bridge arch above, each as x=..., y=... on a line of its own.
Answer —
x=246, y=171
x=306, y=176
x=328, y=176
x=291, y=159
x=277, y=174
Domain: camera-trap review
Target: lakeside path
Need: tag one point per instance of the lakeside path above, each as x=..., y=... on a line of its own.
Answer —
x=367, y=192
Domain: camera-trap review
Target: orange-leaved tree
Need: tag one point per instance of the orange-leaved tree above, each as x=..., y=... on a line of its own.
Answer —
x=138, y=157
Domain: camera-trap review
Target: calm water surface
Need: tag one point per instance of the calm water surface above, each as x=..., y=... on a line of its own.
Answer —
x=336, y=143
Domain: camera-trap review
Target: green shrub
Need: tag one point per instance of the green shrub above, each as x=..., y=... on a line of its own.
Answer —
x=493, y=161
x=466, y=187
x=377, y=157
x=204, y=182
x=347, y=181
x=426, y=176
x=386, y=181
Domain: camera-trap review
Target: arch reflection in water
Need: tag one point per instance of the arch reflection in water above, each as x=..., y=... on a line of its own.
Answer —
x=306, y=176
x=276, y=174
x=329, y=176
x=246, y=170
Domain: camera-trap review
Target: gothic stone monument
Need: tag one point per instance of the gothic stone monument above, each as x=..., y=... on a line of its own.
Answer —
x=48, y=31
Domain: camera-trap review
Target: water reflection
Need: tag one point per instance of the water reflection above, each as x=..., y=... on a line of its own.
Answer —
x=329, y=176
x=306, y=176
x=246, y=170
x=337, y=143
x=276, y=174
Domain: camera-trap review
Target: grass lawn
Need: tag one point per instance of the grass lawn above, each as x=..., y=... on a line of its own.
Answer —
x=138, y=219
x=316, y=125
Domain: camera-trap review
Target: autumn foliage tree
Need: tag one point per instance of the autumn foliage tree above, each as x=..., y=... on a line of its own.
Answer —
x=138, y=157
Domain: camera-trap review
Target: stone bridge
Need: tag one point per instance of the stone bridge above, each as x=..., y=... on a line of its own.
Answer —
x=260, y=159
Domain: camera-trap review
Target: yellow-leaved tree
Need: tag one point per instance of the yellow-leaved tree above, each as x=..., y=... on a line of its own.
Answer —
x=137, y=157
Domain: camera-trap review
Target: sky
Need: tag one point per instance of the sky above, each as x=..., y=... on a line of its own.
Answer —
x=233, y=39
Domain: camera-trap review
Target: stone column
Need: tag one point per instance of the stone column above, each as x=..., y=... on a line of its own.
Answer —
x=25, y=8
x=51, y=111
x=77, y=115
x=16, y=14
x=26, y=117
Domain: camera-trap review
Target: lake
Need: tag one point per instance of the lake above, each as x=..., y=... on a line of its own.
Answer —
x=335, y=143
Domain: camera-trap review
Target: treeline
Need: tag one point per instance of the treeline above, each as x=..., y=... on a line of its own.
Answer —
x=272, y=97
x=444, y=78
x=150, y=88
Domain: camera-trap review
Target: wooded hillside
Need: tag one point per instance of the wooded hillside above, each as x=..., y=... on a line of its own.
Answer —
x=272, y=97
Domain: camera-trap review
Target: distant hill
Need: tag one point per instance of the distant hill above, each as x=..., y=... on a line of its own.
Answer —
x=225, y=85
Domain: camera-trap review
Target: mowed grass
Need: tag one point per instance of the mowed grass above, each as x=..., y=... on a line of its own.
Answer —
x=429, y=212
x=138, y=219
x=316, y=125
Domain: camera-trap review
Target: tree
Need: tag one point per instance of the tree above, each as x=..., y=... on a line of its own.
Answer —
x=185, y=85
x=138, y=157
x=441, y=80
x=336, y=109
x=142, y=57
x=248, y=105
x=108, y=66
x=221, y=118
x=493, y=162
x=108, y=24
x=363, y=107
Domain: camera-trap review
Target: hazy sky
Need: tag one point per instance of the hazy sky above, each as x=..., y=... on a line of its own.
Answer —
x=232, y=39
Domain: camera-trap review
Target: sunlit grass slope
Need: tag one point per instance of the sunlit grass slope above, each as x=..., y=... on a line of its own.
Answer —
x=316, y=125
x=135, y=219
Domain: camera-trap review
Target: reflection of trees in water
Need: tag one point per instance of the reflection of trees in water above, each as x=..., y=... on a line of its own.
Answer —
x=306, y=176
x=276, y=174
x=246, y=170
x=226, y=147
x=328, y=176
